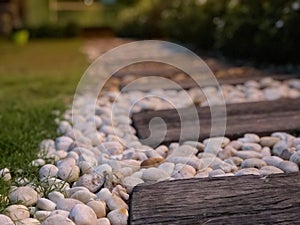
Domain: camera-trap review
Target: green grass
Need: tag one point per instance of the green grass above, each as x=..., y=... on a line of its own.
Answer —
x=34, y=80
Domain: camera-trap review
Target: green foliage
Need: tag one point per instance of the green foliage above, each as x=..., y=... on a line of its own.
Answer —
x=263, y=30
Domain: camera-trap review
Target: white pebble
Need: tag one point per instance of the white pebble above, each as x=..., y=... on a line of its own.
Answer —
x=54, y=196
x=67, y=203
x=27, y=195
x=41, y=215
x=48, y=170
x=118, y=217
x=288, y=166
x=154, y=174
x=5, y=174
x=115, y=202
x=57, y=219
x=99, y=208
x=267, y=170
x=45, y=204
x=17, y=212
x=253, y=163
x=103, y=221
x=247, y=171
x=130, y=182
x=83, y=215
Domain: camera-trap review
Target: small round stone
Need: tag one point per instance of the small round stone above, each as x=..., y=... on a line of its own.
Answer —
x=253, y=163
x=83, y=215
x=247, y=171
x=99, y=208
x=57, y=219
x=118, y=217
x=27, y=195
x=48, y=170
x=267, y=170
x=288, y=166
x=67, y=203
x=5, y=220
x=154, y=174
x=45, y=204
x=115, y=202
x=17, y=212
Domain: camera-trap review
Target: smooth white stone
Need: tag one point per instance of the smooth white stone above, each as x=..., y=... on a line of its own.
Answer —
x=121, y=192
x=162, y=150
x=73, y=155
x=58, y=219
x=67, y=203
x=248, y=154
x=48, y=170
x=28, y=221
x=115, y=202
x=73, y=190
x=249, y=138
x=83, y=215
x=63, y=143
x=69, y=174
x=288, y=166
x=251, y=147
x=268, y=141
x=266, y=151
x=83, y=196
x=192, y=161
x=47, y=146
x=247, y=171
x=27, y=195
x=168, y=167
x=5, y=220
x=154, y=174
x=253, y=163
x=226, y=167
x=5, y=174
x=272, y=160
x=182, y=171
x=45, y=204
x=104, y=194
x=130, y=182
x=42, y=215
x=118, y=217
x=235, y=144
x=267, y=170
x=54, y=196
x=99, y=208
x=17, y=212
x=85, y=167
x=103, y=221
x=216, y=173
x=38, y=162
x=295, y=157
x=60, y=212
x=59, y=154
x=63, y=127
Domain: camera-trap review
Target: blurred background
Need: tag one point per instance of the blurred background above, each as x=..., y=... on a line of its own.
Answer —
x=260, y=30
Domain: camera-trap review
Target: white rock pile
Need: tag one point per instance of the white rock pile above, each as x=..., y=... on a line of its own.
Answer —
x=97, y=164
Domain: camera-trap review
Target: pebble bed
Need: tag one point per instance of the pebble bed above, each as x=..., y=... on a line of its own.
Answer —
x=90, y=179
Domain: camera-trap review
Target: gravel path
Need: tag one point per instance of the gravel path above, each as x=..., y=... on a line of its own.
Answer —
x=90, y=177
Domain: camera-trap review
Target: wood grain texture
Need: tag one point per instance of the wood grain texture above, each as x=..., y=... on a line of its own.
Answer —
x=231, y=200
x=261, y=118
